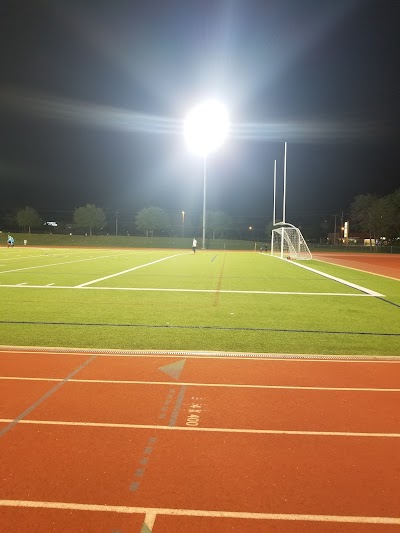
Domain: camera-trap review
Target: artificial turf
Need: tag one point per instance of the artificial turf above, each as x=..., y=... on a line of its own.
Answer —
x=176, y=300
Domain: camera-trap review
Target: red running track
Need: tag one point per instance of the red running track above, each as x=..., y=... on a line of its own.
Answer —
x=161, y=443
x=376, y=263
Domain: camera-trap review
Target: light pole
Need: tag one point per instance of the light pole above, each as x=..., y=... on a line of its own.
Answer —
x=203, y=246
x=205, y=129
x=183, y=223
x=116, y=221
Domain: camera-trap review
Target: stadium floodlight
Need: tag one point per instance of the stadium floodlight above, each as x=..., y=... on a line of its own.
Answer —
x=205, y=129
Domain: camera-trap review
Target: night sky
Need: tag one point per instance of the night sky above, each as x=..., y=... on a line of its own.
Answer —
x=93, y=94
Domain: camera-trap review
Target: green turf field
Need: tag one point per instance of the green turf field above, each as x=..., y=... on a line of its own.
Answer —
x=175, y=300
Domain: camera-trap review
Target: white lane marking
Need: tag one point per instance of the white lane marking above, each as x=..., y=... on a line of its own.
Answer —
x=205, y=429
x=199, y=512
x=340, y=280
x=86, y=287
x=192, y=384
x=128, y=270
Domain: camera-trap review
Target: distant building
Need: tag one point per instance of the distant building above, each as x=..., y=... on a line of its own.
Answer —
x=361, y=238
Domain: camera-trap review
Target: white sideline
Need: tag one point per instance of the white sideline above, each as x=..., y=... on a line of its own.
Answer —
x=340, y=280
x=153, y=511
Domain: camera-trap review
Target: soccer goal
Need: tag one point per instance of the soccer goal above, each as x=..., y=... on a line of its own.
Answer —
x=287, y=242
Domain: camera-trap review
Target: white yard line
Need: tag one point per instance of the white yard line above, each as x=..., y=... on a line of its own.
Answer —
x=154, y=511
x=23, y=256
x=154, y=289
x=128, y=270
x=58, y=264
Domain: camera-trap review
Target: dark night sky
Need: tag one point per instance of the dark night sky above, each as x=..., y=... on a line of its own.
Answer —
x=92, y=95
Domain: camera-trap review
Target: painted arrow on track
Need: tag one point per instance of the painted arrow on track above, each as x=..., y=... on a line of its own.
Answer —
x=174, y=370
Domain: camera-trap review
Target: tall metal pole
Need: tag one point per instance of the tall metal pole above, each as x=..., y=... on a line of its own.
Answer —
x=274, y=214
x=203, y=247
x=284, y=185
x=284, y=200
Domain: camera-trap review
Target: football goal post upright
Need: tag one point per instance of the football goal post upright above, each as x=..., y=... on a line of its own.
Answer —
x=274, y=207
x=287, y=242
x=284, y=185
x=284, y=194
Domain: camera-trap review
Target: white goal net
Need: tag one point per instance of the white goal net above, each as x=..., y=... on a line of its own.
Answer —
x=287, y=242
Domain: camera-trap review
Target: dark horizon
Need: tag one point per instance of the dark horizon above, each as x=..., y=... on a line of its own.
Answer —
x=92, y=96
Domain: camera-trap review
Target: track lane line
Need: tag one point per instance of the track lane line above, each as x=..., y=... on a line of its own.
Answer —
x=204, y=429
x=193, y=384
x=152, y=511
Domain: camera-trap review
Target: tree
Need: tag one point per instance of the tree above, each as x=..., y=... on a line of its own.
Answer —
x=394, y=213
x=89, y=217
x=218, y=223
x=151, y=219
x=28, y=218
x=368, y=212
x=386, y=216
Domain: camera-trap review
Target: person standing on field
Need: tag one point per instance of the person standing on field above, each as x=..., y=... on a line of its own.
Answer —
x=194, y=245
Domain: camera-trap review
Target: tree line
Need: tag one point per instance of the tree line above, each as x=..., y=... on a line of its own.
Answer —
x=377, y=216
x=149, y=221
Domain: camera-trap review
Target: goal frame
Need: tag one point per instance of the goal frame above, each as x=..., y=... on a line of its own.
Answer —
x=287, y=242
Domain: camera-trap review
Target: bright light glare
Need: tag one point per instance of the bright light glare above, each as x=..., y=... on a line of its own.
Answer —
x=206, y=127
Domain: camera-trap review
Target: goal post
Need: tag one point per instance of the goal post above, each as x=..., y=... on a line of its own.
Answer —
x=287, y=242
